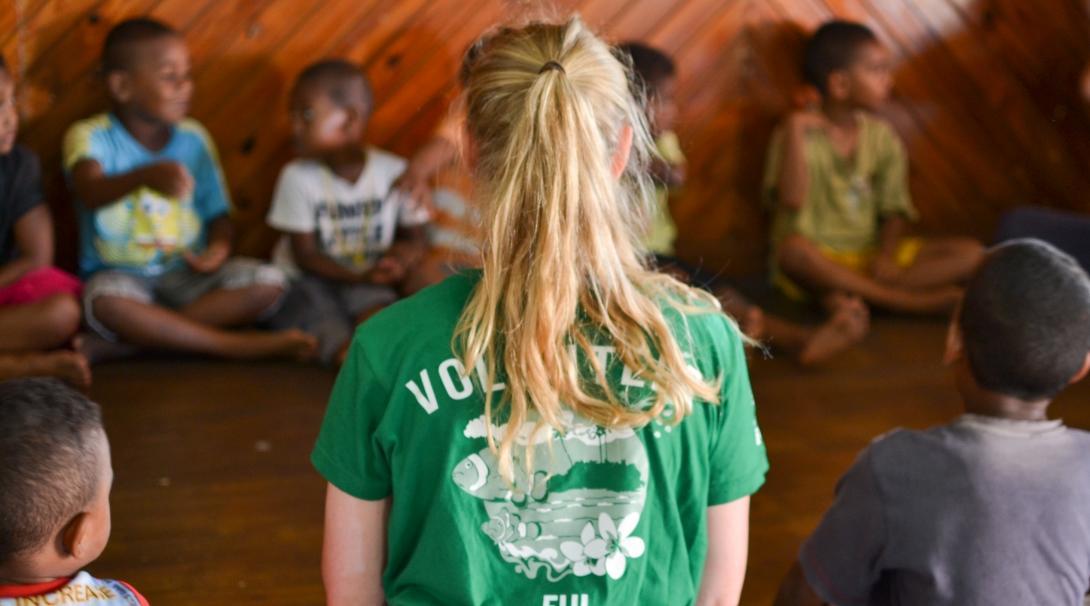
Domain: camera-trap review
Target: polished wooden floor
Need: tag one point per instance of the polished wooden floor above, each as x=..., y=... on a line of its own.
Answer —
x=215, y=502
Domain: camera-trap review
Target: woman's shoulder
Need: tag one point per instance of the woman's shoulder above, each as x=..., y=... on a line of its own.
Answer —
x=435, y=309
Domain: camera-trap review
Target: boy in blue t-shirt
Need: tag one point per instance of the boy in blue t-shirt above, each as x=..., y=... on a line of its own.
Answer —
x=153, y=212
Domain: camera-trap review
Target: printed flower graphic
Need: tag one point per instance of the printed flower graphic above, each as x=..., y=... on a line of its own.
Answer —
x=502, y=528
x=608, y=550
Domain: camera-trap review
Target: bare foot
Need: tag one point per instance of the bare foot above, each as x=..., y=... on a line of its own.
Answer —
x=846, y=327
x=97, y=349
x=290, y=344
x=752, y=323
x=69, y=366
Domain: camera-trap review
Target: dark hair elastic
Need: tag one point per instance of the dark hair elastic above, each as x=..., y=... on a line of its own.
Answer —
x=551, y=65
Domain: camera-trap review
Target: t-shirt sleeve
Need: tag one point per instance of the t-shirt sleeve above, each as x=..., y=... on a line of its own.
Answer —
x=210, y=196
x=738, y=458
x=770, y=183
x=347, y=452
x=842, y=558
x=26, y=190
x=292, y=206
x=891, y=177
x=82, y=141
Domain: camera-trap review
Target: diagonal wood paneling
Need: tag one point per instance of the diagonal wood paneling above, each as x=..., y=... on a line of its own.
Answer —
x=985, y=93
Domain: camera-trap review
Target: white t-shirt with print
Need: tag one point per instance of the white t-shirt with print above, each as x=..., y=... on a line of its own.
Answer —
x=354, y=223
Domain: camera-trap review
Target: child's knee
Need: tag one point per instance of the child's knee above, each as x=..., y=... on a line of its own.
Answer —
x=62, y=314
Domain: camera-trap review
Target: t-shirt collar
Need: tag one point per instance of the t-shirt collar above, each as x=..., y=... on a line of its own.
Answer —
x=1010, y=427
x=33, y=589
x=116, y=122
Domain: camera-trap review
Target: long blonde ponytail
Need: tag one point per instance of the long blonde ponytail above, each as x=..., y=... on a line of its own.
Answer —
x=547, y=106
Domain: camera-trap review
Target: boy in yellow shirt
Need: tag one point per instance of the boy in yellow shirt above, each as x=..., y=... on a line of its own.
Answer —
x=837, y=180
x=848, y=322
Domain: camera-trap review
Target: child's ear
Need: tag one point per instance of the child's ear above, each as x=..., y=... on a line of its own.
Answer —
x=1082, y=371
x=624, y=148
x=119, y=86
x=839, y=85
x=74, y=536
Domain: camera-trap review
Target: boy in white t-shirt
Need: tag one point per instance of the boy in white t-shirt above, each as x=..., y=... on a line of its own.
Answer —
x=350, y=238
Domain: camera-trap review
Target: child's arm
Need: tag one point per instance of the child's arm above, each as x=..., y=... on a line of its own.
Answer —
x=728, y=545
x=794, y=180
x=435, y=155
x=795, y=590
x=34, y=241
x=95, y=189
x=354, y=548
x=310, y=258
x=408, y=249
x=885, y=263
x=216, y=253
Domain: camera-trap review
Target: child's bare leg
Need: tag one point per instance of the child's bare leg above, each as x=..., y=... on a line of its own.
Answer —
x=803, y=261
x=751, y=319
x=848, y=324
x=42, y=325
x=942, y=262
x=68, y=366
x=151, y=326
x=226, y=308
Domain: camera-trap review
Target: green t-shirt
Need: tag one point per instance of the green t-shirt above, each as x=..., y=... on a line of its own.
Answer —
x=846, y=197
x=604, y=516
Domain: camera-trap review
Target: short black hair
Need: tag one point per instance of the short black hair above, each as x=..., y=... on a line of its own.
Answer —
x=834, y=46
x=650, y=65
x=117, y=50
x=343, y=81
x=48, y=462
x=1025, y=320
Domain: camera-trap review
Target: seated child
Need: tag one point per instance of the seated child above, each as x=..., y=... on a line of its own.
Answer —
x=849, y=322
x=350, y=235
x=991, y=508
x=39, y=306
x=837, y=180
x=153, y=209
x=453, y=229
x=55, y=497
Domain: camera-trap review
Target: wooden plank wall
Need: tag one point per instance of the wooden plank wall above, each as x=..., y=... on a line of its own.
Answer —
x=985, y=91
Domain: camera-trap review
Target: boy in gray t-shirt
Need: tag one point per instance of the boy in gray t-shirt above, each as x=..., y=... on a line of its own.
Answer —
x=994, y=508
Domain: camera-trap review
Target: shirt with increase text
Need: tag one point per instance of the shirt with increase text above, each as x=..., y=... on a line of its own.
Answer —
x=80, y=589
x=145, y=232
x=603, y=516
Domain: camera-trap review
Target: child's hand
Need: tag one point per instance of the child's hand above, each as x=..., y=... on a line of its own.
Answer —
x=885, y=269
x=417, y=189
x=210, y=260
x=387, y=271
x=169, y=178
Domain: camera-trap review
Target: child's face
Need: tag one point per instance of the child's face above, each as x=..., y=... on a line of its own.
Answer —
x=159, y=84
x=662, y=106
x=870, y=78
x=320, y=125
x=9, y=118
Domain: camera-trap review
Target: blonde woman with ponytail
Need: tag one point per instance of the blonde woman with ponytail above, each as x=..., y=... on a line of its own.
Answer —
x=565, y=426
